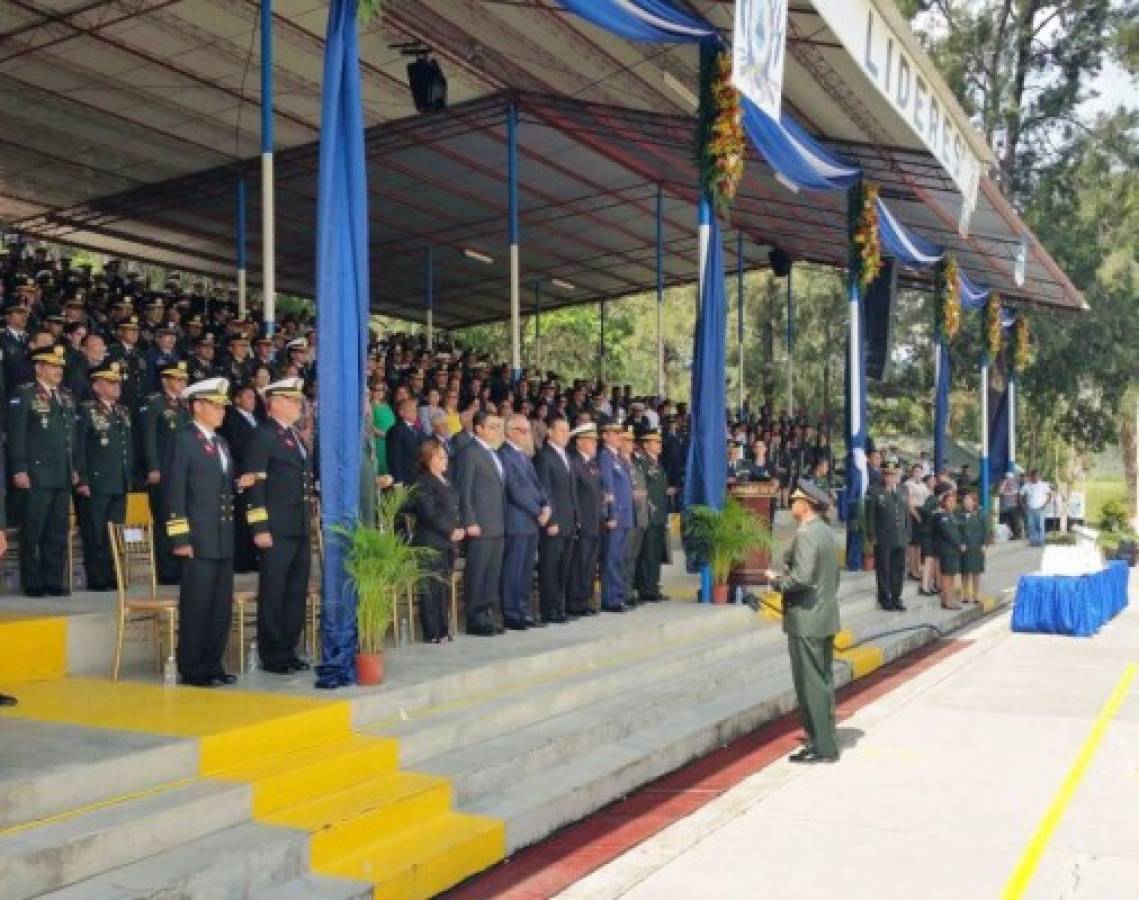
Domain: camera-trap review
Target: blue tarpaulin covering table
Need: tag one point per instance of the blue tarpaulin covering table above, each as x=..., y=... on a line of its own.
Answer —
x=1070, y=604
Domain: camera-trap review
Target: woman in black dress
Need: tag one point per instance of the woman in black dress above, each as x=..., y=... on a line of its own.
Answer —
x=435, y=505
x=948, y=545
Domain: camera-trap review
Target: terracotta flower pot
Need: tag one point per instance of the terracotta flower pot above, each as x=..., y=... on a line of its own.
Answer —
x=369, y=668
x=720, y=594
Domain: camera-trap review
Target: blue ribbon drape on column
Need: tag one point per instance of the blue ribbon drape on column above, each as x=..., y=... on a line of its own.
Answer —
x=706, y=475
x=342, y=307
x=942, y=379
x=652, y=21
x=907, y=247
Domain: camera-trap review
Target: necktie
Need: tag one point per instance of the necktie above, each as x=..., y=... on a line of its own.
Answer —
x=221, y=454
x=300, y=443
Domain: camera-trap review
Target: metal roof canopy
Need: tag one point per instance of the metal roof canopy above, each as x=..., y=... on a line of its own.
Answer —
x=121, y=112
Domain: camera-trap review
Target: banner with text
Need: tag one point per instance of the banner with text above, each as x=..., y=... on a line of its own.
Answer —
x=904, y=82
x=758, y=46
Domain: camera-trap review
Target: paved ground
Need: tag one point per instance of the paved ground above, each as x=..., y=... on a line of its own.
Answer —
x=947, y=788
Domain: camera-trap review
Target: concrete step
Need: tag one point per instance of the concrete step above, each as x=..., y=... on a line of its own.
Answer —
x=242, y=861
x=57, y=853
x=424, y=861
x=495, y=764
x=316, y=887
x=536, y=805
x=48, y=768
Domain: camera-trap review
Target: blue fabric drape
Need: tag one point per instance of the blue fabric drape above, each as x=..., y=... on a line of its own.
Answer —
x=998, y=438
x=651, y=21
x=973, y=296
x=941, y=403
x=706, y=474
x=857, y=476
x=907, y=247
x=342, y=307
x=1077, y=605
x=794, y=153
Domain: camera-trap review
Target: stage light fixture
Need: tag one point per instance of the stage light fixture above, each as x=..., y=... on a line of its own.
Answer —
x=478, y=257
x=780, y=263
x=424, y=76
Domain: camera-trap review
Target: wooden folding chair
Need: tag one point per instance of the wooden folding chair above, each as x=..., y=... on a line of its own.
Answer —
x=138, y=508
x=132, y=551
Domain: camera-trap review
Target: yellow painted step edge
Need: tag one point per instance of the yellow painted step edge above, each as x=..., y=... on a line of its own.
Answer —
x=33, y=649
x=863, y=660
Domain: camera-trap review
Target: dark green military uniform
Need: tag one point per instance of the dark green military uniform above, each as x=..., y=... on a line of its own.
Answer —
x=974, y=531
x=105, y=464
x=948, y=542
x=41, y=444
x=161, y=419
x=888, y=529
x=280, y=504
x=633, y=542
x=810, y=621
x=654, y=546
x=133, y=362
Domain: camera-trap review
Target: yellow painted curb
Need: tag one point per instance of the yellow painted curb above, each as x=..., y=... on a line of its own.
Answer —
x=863, y=660
x=32, y=648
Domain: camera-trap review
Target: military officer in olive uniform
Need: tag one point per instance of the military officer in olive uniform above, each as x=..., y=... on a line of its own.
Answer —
x=41, y=457
x=127, y=351
x=631, y=457
x=654, y=546
x=810, y=620
x=197, y=487
x=201, y=361
x=105, y=464
x=278, y=472
x=888, y=529
x=161, y=419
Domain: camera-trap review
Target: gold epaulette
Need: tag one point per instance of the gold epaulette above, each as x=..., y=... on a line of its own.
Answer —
x=259, y=514
x=177, y=527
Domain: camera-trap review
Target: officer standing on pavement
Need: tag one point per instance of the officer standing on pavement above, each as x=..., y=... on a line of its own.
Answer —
x=617, y=485
x=162, y=418
x=633, y=464
x=105, y=463
x=278, y=476
x=888, y=529
x=811, y=620
x=654, y=545
x=197, y=488
x=41, y=454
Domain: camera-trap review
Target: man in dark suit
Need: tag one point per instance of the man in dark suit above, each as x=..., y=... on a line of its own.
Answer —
x=527, y=513
x=238, y=428
x=591, y=513
x=403, y=440
x=279, y=478
x=197, y=487
x=617, y=485
x=482, y=497
x=555, y=547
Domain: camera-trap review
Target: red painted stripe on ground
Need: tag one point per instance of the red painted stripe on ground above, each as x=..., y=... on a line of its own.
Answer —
x=566, y=857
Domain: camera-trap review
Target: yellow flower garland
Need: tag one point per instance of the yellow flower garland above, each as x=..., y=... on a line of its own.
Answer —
x=1021, y=345
x=994, y=335
x=866, y=235
x=950, y=316
x=724, y=153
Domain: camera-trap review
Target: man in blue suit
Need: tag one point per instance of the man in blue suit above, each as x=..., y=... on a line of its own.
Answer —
x=617, y=485
x=526, y=512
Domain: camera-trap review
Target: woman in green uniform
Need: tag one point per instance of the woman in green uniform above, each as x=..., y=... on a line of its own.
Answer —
x=974, y=531
x=924, y=530
x=948, y=545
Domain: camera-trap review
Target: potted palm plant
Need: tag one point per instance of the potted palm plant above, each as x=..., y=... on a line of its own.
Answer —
x=725, y=538
x=382, y=567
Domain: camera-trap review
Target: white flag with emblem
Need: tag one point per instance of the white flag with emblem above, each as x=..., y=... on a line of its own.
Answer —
x=758, y=46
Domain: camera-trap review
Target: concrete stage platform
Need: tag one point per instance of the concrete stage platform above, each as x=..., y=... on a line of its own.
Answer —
x=469, y=751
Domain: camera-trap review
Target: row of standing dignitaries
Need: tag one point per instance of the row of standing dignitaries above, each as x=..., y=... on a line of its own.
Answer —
x=567, y=511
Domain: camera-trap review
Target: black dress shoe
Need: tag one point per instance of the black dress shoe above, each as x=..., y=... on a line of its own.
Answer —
x=204, y=682
x=33, y=592
x=808, y=755
x=224, y=678
x=515, y=624
x=620, y=608
x=57, y=592
x=482, y=629
x=534, y=623
x=277, y=668
x=299, y=665
x=899, y=606
x=8, y=700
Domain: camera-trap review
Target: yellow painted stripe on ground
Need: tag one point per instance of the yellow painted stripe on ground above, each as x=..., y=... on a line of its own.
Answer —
x=844, y=640
x=863, y=660
x=32, y=648
x=1026, y=868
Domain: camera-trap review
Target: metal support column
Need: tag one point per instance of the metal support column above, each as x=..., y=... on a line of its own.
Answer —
x=515, y=295
x=601, y=346
x=239, y=240
x=985, y=487
x=740, y=323
x=1012, y=422
x=660, y=292
x=429, y=291
x=790, y=346
x=537, y=360
x=268, y=235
